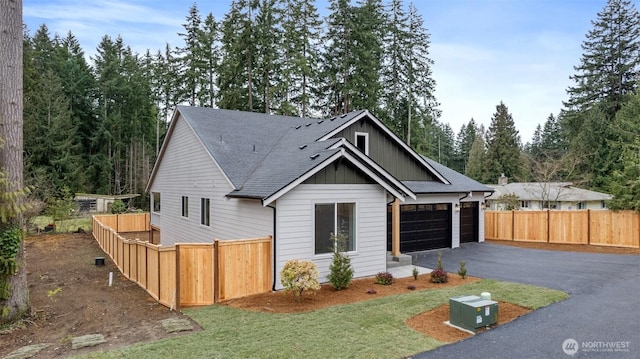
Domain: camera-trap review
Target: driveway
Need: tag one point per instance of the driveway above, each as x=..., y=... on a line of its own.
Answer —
x=603, y=309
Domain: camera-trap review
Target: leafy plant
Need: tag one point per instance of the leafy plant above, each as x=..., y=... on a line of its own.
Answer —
x=462, y=271
x=340, y=270
x=415, y=273
x=10, y=238
x=118, y=207
x=384, y=278
x=439, y=275
x=297, y=276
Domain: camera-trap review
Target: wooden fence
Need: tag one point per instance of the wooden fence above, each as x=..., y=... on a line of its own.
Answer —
x=186, y=274
x=597, y=227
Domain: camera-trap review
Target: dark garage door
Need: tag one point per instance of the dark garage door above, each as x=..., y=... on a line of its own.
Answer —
x=422, y=227
x=468, y=222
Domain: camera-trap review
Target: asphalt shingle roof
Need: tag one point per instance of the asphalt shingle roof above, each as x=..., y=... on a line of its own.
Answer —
x=261, y=153
x=554, y=191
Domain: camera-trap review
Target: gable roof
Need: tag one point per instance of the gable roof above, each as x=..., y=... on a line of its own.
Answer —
x=553, y=191
x=263, y=156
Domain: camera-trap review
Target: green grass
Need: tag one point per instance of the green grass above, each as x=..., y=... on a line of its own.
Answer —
x=65, y=225
x=371, y=329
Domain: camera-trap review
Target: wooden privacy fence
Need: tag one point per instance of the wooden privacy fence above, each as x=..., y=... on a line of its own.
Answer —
x=186, y=274
x=598, y=227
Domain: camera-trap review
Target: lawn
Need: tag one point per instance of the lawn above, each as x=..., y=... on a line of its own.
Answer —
x=371, y=329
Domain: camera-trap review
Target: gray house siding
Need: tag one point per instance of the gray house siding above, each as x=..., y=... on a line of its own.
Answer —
x=386, y=152
x=295, y=223
x=188, y=170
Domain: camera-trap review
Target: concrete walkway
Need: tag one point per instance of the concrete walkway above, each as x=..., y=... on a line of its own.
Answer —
x=602, y=313
x=406, y=271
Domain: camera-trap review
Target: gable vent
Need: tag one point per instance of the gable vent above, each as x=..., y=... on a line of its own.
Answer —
x=297, y=127
x=308, y=124
x=314, y=156
x=302, y=147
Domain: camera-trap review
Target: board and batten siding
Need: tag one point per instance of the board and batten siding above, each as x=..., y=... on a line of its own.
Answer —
x=187, y=169
x=295, y=223
x=386, y=152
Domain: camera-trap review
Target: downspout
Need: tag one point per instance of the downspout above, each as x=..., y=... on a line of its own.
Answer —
x=273, y=239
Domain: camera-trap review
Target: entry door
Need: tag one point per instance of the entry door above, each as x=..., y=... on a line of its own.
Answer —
x=468, y=222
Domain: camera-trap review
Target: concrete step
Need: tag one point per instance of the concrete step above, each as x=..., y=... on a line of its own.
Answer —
x=398, y=261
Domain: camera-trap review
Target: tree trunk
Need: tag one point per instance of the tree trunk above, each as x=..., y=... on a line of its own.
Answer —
x=11, y=106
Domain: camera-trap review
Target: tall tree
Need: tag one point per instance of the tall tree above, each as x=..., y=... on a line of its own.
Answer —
x=394, y=71
x=464, y=141
x=267, y=36
x=191, y=58
x=475, y=165
x=503, y=147
x=16, y=302
x=301, y=35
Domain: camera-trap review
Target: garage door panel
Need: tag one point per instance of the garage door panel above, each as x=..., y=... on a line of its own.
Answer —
x=422, y=227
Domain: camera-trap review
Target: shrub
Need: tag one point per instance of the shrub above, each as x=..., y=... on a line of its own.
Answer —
x=462, y=271
x=297, y=276
x=118, y=207
x=415, y=273
x=371, y=291
x=340, y=270
x=384, y=278
x=411, y=287
x=439, y=276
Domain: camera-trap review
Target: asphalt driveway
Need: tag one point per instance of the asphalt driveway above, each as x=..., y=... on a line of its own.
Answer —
x=602, y=313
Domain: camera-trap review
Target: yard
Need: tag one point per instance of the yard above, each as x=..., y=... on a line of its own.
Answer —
x=71, y=297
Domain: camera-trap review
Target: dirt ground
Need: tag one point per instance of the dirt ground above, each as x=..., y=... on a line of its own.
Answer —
x=70, y=296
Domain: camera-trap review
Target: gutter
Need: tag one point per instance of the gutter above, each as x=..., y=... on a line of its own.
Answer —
x=273, y=238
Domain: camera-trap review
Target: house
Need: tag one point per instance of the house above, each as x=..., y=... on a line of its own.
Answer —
x=545, y=195
x=232, y=175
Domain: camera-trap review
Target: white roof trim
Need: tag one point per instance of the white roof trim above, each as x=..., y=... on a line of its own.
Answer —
x=392, y=135
x=342, y=153
x=373, y=164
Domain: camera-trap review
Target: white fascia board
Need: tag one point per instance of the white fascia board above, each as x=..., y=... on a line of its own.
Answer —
x=353, y=149
x=381, y=181
x=392, y=135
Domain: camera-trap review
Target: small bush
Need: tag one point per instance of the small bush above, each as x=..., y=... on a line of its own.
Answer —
x=384, y=278
x=340, y=270
x=462, y=272
x=415, y=273
x=411, y=287
x=297, y=276
x=439, y=276
x=118, y=207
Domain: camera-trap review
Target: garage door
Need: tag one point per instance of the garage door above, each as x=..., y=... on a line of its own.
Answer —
x=468, y=222
x=422, y=227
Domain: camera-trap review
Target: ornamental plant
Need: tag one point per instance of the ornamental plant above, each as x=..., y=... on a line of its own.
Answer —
x=439, y=275
x=415, y=273
x=462, y=271
x=297, y=276
x=340, y=270
x=384, y=278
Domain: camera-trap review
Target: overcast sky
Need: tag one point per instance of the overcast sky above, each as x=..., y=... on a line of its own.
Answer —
x=520, y=52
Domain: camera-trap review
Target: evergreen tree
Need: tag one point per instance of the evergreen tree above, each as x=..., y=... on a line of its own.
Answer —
x=192, y=63
x=394, y=72
x=267, y=40
x=503, y=147
x=208, y=39
x=475, y=164
x=464, y=141
x=301, y=35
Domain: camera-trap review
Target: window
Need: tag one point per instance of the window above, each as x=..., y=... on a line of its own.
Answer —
x=582, y=205
x=603, y=204
x=333, y=218
x=185, y=206
x=362, y=142
x=550, y=205
x=524, y=204
x=204, y=211
x=156, y=201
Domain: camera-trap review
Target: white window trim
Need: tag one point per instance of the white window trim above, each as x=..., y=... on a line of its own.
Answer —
x=335, y=221
x=153, y=202
x=208, y=221
x=182, y=207
x=366, y=141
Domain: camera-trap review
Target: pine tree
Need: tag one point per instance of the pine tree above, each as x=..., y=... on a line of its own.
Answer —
x=464, y=142
x=394, y=71
x=268, y=64
x=475, y=164
x=208, y=42
x=301, y=35
x=503, y=147
x=191, y=69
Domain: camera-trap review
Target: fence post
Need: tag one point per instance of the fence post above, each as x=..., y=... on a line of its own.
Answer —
x=513, y=224
x=548, y=224
x=177, y=290
x=216, y=273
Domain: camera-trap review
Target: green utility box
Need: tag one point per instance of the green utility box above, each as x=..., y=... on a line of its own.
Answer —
x=472, y=312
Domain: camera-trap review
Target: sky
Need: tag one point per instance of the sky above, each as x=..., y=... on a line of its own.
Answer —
x=519, y=52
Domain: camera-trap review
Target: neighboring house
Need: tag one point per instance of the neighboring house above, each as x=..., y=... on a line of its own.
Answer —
x=234, y=175
x=545, y=195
